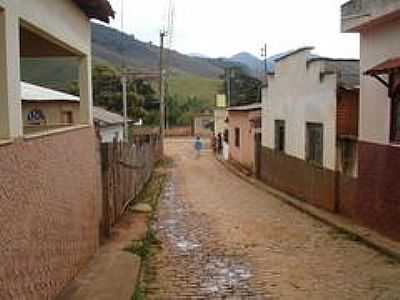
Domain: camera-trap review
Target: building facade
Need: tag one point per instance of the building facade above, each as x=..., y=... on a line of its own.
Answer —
x=48, y=180
x=244, y=123
x=109, y=125
x=309, y=110
x=376, y=190
x=44, y=109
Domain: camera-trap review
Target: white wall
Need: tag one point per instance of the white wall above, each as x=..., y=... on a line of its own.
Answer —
x=296, y=95
x=378, y=44
x=108, y=133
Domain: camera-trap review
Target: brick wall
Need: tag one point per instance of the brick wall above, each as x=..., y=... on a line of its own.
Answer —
x=348, y=113
x=49, y=226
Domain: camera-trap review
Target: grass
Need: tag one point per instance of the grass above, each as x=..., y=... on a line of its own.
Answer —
x=139, y=294
x=187, y=85
x=344, y=235
x=143, y=248
x=147, y=247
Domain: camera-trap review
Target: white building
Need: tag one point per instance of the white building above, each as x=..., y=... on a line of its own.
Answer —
x=302, y=120
x=109, y=124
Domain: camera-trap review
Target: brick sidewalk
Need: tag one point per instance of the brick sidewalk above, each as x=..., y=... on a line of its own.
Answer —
x=223, y=238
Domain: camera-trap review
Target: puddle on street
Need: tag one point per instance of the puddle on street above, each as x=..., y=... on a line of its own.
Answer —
x=194, y=269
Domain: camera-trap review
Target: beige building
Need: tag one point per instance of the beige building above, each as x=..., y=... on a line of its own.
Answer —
x=375, y=200
x=44, y=109
x=50, y=180
x=244, y=122
x=309, y=106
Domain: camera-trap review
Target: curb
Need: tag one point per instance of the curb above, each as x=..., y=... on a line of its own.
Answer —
x=368, y=237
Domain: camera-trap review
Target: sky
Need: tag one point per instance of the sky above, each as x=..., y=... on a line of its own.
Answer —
x=222, y=28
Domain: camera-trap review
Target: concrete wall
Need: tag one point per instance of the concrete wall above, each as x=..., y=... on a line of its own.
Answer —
x=378, y=44
x=298, y=178
x=72, y=30
x=245, y=153
x=360, y=14
x=60, y=22
x=296, y=95
x=49, y=224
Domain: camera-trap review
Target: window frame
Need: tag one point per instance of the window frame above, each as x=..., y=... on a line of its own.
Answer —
x=237, y=137
x=280, y=140
x=394, y=120
x=311, y=151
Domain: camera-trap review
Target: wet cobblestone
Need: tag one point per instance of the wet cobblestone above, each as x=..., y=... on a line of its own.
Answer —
x=191, y=265
x=224, y=239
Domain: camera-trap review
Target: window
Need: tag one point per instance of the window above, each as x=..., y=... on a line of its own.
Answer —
x=36, y=117
x=280, y=135
x=395, y=123
x=315, y=143
x=67, y=117
x=237, y=137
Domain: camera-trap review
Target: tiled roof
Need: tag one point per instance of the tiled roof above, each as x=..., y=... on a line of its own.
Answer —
x=31, y=92
x=105, y=117
x=96, y=9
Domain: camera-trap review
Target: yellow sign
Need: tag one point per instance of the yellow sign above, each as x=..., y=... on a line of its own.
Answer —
x=221, y=101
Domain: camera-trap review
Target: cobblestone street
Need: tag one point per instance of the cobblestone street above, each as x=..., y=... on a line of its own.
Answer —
x=222, y=238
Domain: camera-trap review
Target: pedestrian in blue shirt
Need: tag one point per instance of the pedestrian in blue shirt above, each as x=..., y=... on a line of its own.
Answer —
x=198, y=146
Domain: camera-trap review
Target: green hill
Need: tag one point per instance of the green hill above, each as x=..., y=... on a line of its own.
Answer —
x=186, y=85
x=191, y=76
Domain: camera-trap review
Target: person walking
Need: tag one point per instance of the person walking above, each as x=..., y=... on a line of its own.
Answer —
x=219, y=145
x=198, y=146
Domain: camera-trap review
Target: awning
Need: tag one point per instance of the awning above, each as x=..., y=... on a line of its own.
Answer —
x=390, y=66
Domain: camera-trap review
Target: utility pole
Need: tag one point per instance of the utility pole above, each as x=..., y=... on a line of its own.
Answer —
x=228, y=83
x=264, y=54
x=125, y=104
x=163, y=34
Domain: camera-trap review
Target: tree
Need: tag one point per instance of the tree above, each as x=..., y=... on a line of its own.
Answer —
x=244, y=89
x=181, y=111
x=107, y=92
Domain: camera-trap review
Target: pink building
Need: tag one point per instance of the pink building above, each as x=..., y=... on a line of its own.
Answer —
x=244, y=123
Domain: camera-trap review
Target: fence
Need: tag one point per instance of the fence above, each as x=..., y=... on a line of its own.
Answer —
x=179, y=131
x=126, y=168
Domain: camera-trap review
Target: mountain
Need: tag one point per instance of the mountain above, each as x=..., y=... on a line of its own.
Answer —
x=255, y=64
x=115, y=47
